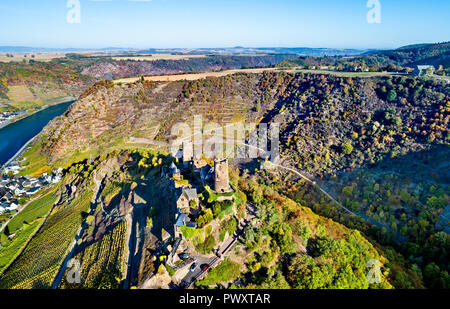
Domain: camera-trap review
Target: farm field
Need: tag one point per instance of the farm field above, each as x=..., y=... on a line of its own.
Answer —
x=20, y=93
x=32, y=269
x=196, y=76
x=101, y=262
x=44, y=57
x=9, y=252
x=35, y=210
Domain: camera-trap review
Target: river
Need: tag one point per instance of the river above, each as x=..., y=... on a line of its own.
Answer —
x=14, y=136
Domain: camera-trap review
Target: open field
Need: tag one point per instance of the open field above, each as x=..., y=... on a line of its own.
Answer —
x=45, y=57
x=20, y=93
x=195, y=76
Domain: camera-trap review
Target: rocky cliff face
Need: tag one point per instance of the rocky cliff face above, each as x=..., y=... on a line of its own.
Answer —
x=327, y=123
x=119, y=69
x=107, y=115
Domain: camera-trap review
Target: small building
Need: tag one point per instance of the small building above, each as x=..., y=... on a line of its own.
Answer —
x=12, y=207
x=19, y=190
x=183, y=220
x=32, y=191
x=175, y=172
x=12, y=168
x=186, y=196
x=421, y=70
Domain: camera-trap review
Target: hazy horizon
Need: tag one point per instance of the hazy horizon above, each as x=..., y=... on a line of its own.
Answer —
x=140, y=24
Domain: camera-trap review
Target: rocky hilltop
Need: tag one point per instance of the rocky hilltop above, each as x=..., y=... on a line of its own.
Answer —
x=349, y=135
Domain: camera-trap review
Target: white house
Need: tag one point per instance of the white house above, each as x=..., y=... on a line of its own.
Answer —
x=12, y=207
x=19, y=190
x=422, y=69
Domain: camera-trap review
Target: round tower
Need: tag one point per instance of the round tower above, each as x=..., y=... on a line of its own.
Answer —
x=221, y=182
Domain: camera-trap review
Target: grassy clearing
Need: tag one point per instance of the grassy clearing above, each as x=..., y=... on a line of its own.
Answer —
x=190, y=232
x=111, y=190
x=35, y=163
x=225, y=272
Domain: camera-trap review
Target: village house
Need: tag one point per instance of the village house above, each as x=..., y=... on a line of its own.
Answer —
x=184, y=210
x=186, y=197
x=11, y=168
x=183, y=220
x=8, y=207
x=421, y=70
x=13, y=187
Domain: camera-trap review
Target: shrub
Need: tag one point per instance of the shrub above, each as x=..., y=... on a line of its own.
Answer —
x=207, y=246
x=347, y=148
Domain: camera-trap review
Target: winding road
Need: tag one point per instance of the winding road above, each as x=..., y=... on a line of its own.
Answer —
x=197, y=274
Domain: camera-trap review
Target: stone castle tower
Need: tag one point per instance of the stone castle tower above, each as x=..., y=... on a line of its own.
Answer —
x=221, y=182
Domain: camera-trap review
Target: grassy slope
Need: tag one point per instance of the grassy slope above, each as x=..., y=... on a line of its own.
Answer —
x=34, y=269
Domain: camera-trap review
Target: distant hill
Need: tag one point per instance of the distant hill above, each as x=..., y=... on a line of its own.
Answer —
x=238, y=50
x=412, y=55
x=28, y=49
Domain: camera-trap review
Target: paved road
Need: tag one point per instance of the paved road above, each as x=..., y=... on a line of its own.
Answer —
x=199, y=260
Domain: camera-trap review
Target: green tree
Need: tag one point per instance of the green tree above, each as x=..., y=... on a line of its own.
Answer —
x=347, y=148
x=391, y=96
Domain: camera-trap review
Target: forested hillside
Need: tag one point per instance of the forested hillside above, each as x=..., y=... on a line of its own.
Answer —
x=352, y=136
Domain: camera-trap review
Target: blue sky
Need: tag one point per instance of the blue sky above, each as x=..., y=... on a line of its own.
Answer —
x=223, y=23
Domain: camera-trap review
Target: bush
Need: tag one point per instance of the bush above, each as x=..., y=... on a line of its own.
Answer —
x=207, y=246
x=347, y=148
x=170, y=270
x=391, y=96
x=229, y=226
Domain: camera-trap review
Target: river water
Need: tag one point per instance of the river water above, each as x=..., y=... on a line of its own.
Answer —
x=17, y=134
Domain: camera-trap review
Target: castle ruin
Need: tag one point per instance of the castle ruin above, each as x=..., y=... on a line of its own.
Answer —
x=221, y=182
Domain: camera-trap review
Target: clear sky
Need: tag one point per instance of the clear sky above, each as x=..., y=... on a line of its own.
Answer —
x=223, y=23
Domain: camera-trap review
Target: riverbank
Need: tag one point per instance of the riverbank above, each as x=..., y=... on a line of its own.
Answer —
x=30, y=113
x=15, y=137
x=18, y=154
